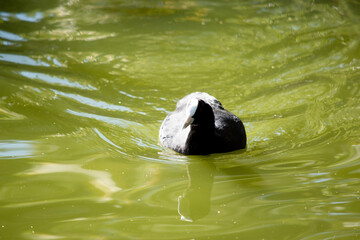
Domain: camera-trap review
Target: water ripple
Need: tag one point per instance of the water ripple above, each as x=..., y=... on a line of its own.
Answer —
x=115, y=121
x=16, y=149
x=93, y=103
x=20, y=59
x=54, y=80
x=11, y=36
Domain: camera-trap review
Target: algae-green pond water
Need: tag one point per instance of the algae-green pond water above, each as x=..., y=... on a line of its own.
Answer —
x=85, y=85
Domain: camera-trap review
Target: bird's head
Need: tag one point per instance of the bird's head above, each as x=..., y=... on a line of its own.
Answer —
x=198, y=113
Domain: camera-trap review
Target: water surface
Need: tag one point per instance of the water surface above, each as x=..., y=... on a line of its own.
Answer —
x=85, y=85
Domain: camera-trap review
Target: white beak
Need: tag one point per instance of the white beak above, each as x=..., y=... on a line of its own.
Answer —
x=188, y=121
x=190, y=110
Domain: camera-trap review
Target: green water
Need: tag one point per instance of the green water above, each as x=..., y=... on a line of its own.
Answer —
x=85, y=85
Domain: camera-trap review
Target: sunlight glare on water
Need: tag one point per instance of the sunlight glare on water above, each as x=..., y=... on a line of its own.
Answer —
x=85, y=86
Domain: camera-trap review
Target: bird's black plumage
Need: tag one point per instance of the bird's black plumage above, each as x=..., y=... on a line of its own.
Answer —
x=201, y=125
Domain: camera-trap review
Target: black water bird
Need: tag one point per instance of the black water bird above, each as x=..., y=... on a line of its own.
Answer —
x=200, y=125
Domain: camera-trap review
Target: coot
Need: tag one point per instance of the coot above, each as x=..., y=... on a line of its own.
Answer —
x=200, y=125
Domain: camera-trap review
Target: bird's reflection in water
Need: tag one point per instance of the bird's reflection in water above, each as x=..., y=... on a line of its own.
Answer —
x=194, y=203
